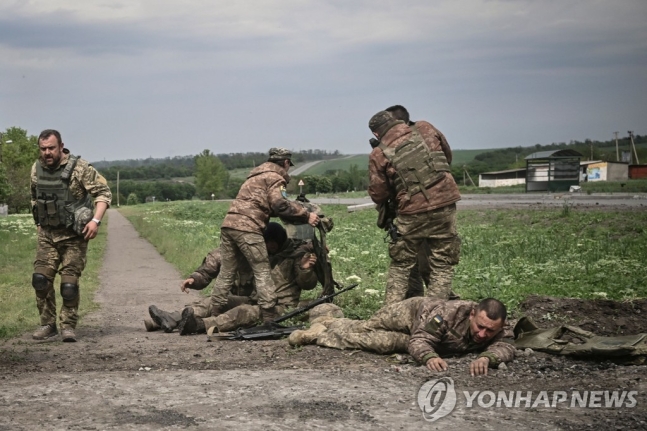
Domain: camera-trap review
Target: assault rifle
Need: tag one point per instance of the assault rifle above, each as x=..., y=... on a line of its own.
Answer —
x=386, y=212
x=391, y=231
x=274, y=330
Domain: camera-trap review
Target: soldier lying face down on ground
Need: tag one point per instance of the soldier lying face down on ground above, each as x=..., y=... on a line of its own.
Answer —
x=427, y=328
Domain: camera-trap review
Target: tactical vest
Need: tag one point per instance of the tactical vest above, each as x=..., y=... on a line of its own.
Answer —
x=418, y=168
x=55, y=204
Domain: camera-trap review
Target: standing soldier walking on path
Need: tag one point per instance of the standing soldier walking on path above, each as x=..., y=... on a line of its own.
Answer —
x=262, y=195
x=65, y=190
x=409, y=167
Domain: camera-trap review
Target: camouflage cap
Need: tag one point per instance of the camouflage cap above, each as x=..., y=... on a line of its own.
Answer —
x=381, y=122
x=279, y=153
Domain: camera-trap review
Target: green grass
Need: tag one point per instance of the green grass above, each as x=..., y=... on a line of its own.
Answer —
x=18, y=312
x=626, y=186
x=507, y=254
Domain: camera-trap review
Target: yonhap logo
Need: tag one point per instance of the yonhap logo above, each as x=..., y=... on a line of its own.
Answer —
x=437, y=398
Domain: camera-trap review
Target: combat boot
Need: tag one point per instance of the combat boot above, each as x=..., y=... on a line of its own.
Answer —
x=151, y=325
x=269, y=314
x=45, y=332
x=68, y=335
x=167, y=321
x=190, y=324
x=303, y=337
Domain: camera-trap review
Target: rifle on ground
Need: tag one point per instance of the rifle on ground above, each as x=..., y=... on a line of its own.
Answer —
x=274, y=330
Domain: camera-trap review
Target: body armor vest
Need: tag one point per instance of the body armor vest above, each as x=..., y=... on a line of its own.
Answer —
x=418, y=168
x=55, y=205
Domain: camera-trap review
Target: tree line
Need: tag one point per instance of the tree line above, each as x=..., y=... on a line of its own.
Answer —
x=143, y=179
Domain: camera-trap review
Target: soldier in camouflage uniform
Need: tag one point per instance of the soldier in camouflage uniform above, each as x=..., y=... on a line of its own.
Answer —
x=425, y=270
x=69, y=198
x=387, y=331
x=410, y=168
x=262, y=195
x=454, y=327
x=198, y=280
x=463, y=327
x=292, y=263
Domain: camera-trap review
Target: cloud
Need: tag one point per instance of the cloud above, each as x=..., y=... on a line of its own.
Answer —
x=489, y=73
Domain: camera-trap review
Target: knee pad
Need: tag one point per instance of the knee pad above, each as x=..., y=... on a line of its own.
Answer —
x=69, y=291
x=39, y=281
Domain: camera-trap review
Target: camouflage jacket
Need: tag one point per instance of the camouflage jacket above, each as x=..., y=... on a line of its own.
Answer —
x=287, y=275
x=431, y=339
x=210, y=268
x=431, y=134
x=382, y=173
x=83, y=181
x=260, y=197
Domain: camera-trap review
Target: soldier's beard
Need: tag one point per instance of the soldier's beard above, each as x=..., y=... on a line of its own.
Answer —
x=52, y=161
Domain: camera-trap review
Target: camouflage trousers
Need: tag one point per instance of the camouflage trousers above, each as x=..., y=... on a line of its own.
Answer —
x=387, y=331
x=240, y=312
x=235, y=248
x=241, y=316
x=66, y=257
x=435, y=233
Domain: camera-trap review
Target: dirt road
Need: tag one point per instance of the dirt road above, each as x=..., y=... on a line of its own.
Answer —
x=117, y=376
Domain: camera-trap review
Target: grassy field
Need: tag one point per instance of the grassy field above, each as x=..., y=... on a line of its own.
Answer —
x=507, y=254
x=18, y=312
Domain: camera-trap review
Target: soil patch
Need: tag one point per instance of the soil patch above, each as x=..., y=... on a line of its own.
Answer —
x=600, y=316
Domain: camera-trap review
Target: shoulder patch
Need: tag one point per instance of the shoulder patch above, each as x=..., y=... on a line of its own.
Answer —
x=284, y=192
x=434, y=324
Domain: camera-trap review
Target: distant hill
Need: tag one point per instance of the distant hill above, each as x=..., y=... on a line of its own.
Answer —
x=461, y=157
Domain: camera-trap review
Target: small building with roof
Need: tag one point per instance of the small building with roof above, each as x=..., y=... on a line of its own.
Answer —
x=508, y=177
x=553, y=171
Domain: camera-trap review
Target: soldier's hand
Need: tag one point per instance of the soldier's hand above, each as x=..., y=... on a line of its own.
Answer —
x=308, y=261
x=90, y=230
x=437, y=364
x=186, y=285
x=313, y=219
x=479, y=367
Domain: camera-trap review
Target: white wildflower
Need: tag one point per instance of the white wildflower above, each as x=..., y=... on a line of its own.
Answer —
x=353, y=279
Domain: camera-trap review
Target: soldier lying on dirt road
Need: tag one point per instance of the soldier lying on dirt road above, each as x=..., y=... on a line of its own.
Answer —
x=427, y=328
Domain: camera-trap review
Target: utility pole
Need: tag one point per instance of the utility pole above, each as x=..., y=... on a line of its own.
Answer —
x=591, y=146
x=617, y=153
x=631, y=138
x=468, y=176
x=118, y=190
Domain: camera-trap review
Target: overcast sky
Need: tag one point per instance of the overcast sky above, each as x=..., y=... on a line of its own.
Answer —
x=133, y=79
